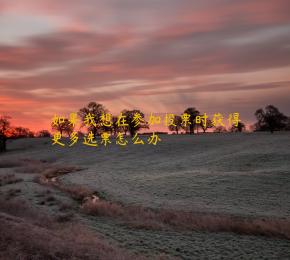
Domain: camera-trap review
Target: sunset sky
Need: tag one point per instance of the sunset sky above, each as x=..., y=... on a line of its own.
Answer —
x=156, y=55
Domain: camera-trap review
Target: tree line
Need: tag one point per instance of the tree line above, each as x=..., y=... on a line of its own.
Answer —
x=268, y=119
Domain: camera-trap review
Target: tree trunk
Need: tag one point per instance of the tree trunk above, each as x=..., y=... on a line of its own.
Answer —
x=132, y=132
x=95, y=132
x=2, y=143
x=191, y=129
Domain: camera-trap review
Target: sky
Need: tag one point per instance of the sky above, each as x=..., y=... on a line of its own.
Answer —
x=159, y=56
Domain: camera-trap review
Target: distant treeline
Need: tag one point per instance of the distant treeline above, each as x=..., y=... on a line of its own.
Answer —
x=268, y=119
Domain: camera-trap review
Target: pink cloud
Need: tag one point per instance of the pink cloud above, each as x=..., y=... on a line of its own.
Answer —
x=153, y=44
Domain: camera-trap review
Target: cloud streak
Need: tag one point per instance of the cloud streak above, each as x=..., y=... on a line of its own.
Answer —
x=116, y=53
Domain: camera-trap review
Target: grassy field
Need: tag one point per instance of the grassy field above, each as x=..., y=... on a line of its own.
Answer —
x=190, y=197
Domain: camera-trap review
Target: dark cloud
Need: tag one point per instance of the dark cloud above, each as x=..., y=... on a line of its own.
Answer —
x=54, y=48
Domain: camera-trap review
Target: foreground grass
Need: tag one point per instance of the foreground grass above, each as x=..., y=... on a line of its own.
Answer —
x=27, y=234
x=161, y=219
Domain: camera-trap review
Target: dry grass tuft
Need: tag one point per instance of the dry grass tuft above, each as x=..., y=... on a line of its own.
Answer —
x=145, y=218
x=76, y=192
x=26, y=234
x=67, y=217
x=7, y=163
x=11, y=193
x=9, y=179
x=56, y=171
x=103, y=208
x=140, y=217
x=66, y=206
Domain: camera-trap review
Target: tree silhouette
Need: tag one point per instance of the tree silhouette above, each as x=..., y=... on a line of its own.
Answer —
x=115, y=128
x=132, y=127
x=208, y=125
x=63, y=127
x=240, y=127
x=287, y=127
x=43, y=133
x=97, y=110
x=69, y=128
x=270, y=119
x=5, y=127
x=220, y=129
x=177, y=121
x=21, y=132
x=193, y=112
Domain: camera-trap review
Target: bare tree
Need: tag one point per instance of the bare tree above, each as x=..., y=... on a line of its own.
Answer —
x=115, y=128
x=43, y=134
x=206, y=126
x=193, y=112
x=21, y=132
x=63, y=127
x=5, y=127
x=240, y=127
x=220, y=129
x=177, y=121
x=96, y=110
x=270, y=119
x=131, y=120
x=287, y=127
